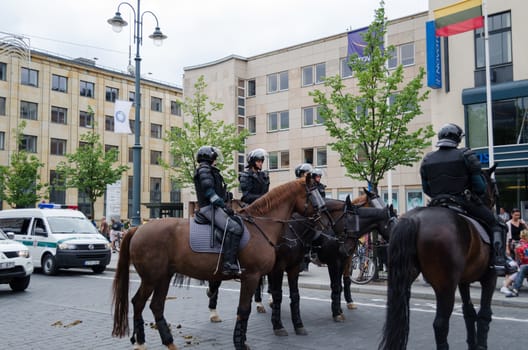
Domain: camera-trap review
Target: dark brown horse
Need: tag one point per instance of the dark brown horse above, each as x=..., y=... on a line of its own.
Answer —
x=160, y=249
x=448, y=250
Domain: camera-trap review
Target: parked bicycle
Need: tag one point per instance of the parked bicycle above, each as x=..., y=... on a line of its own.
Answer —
x=364, y=266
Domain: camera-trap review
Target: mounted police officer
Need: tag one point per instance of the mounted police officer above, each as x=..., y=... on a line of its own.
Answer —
x=457, y=172
x=316, y=175
x=211, y=192
x=302, y=169
x=254, y=182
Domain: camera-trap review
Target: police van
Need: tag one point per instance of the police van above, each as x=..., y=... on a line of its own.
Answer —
x=58, y=238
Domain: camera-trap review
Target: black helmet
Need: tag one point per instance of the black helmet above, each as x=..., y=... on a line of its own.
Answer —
x=317, y=172
x=255, y=155
x=302, y=169
x=450, y=135
x=207, y=154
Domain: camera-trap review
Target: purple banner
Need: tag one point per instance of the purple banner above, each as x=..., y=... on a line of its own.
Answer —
x=356, y=44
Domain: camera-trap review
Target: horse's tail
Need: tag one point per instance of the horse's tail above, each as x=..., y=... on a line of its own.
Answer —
x=402, y=258
x=120, y=287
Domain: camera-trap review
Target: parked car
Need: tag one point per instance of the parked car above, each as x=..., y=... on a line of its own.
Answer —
x=15, y=263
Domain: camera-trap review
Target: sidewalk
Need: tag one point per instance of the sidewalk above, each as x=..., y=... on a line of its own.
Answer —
x=317, y=278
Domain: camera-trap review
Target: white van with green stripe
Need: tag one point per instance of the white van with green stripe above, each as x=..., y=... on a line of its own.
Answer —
x=58, y=238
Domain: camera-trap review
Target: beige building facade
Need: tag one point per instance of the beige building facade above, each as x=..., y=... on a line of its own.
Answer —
x=53, y=94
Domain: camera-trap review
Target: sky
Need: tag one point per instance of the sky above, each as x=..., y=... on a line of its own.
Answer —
x=199, y=31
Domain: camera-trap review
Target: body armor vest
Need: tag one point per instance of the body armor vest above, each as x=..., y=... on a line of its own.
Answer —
x=253, y=185
x=208, y=177
x=446, y=171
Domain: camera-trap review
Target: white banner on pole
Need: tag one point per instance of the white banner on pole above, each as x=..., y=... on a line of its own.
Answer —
x=113, y=200
x=121, y=112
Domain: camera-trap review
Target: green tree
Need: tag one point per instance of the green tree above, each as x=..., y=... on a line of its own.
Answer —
x=184, y=142
x=371, y=135
x=20, y=183
x=90, y=168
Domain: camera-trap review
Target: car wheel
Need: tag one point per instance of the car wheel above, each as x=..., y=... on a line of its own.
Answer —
x=99, y=269
x=49, y=265
x=20, y=284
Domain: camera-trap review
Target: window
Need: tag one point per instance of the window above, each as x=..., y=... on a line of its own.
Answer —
x=28, y=143
x=313, y=74
x=112, y=94
x=279, y=160
x=311, y=116
x=155, y=131
x=315, y=156
x=86, y=119
x=251, y=88
x=109, y=123
x=57, y=195
x=278, y=121
x=414, y=199
x=385, y=196
x=402, y=54
x=3, y=71
x=346, y=71
x=278, y=82
x=2, y=106
x=155, y=196
x=59, y=115
x=87, y=89
x=28, y=77
x=28, y=110
x=59, y=83
x=58, y=147
x=241, y=97
x=132, y=97
x=155, y=104
x=500, y=39
x=132, y=124
x=155, y=157
x=2, y=139
x=115, y=149
x=130, y=154
x=176, y=108
x=252, y=125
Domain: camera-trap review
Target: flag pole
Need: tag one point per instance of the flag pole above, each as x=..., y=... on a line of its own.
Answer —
x=488, y=88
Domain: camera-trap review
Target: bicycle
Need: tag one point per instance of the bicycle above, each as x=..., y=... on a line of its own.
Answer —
x=363, y=264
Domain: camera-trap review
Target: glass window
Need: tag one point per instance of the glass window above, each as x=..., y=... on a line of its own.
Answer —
x=278, y=82
x=132, y=97
x=109, y=123
x=113, y=148
x=155, y=131
x=176, y=108
x=320, y=156
x=251, y=88
x=58, y=147
x=3, y=71
x=28, y=110
x=155, y=104
x=500, y=47
x=307, y=76
x=407, y=54
x=86, y=89
x=59, y=115
x=313, y=74
x=311, y=116
x=28, y=143
x=415, y=199
x=57, y=195
x=2, y=106
x=112, y=94
x=86, y=119
x=59, y=83
x=320, y=72
x=278, y=160
x=2, y=139
x=155, y=157
x=393, y=60
x=346, y=71
x=28, y=77
x=252, y=125
x=130, y=154
x=278, y=121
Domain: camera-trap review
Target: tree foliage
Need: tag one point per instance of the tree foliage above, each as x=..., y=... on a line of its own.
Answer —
x=372, y=135
x=90, y=168
x=184, y=142
x=20, y=183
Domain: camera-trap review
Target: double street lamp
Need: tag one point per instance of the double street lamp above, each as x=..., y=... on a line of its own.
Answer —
x=118, y=23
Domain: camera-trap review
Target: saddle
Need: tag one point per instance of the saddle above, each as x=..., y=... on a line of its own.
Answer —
x=200, y=238
x=457, y=205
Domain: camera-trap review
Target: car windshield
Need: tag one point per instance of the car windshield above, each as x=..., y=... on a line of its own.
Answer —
x=3, y=236
x=71, y=225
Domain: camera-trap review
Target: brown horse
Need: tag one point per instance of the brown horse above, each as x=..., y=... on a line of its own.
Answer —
x=160, y=249
x=448, y=250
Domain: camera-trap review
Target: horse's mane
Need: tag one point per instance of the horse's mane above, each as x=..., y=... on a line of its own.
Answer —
x=274, y=197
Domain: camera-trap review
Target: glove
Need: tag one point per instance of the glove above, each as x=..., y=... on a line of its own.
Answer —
x=217, y=201
x=229, y=211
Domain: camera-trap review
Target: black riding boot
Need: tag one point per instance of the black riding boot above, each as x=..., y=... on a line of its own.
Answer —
x=501, y=266
x=230, y=267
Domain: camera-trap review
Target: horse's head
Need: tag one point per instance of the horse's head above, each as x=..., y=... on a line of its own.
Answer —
x=492, y=191
x=374, y=200
x=378, y=216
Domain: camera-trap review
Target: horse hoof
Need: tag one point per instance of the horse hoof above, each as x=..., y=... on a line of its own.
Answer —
x=351, y=306
x=280, y=332
x=139, y=346
x=215, y=319
x=261, y=309
x=339, y=318
x=172, y=347
x=301, y=331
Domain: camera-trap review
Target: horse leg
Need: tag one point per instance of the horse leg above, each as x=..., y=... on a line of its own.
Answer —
x=247, y=288
x=347, y=281
x=258, y=296
x=488, y=284
x=157, y=306
x=470, y=316
x=212, y=294
x=138, y=301
x=293, y=283
x=445, y=300
x=335, y=271
x=275, y=286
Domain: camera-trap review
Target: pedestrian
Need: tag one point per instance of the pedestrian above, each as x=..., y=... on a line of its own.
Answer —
x=503, y=214
x=115, y=231
x=457, y=172
x=254, y=182
x=515, y=226
x=104, y=228
x=522, y=259
x=211, y=192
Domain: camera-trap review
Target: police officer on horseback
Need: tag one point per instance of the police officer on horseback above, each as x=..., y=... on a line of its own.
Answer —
x=317, y=174
x=302, y=169
x=211, y=192
x=457, y=172
x=254, y=182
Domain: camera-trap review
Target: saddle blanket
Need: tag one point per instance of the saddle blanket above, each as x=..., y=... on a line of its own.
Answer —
x=482, y=232
x=200, y=238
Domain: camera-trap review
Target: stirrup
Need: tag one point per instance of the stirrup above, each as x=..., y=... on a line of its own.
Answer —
x=500, y=270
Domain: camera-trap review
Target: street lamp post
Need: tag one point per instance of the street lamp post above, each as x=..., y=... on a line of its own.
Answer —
x=118, y=23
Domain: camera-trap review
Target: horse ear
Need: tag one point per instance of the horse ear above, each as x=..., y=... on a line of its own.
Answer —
x=367, y=192
x=492, y=169
x=348, y=202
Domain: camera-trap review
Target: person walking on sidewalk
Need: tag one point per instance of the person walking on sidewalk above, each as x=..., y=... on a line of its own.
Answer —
x=522, y=253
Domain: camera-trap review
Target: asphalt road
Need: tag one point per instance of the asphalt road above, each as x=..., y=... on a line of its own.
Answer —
x=73, y=311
